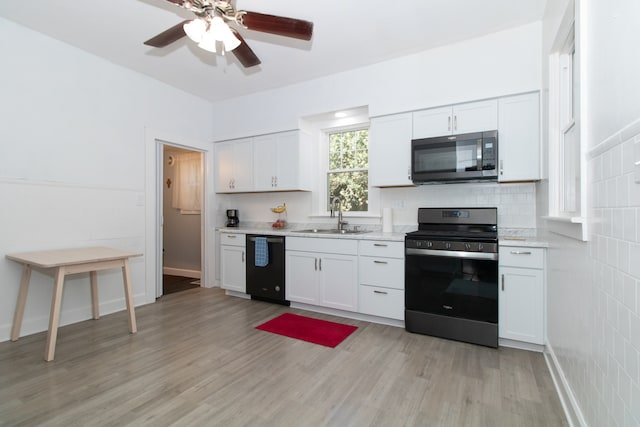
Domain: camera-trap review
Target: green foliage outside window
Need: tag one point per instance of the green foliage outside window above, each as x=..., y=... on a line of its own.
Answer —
x=348, y=176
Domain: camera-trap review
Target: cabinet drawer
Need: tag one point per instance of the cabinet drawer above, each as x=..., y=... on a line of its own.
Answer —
x=382, y=302
x=381, y=248
x=331, y=246
x=520, y=256
x=232, y=239
x=385, y=272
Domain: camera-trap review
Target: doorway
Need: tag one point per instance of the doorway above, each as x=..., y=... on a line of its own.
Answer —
x=181, y=223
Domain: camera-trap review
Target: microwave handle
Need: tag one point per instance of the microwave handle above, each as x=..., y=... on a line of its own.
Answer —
x=479, y=154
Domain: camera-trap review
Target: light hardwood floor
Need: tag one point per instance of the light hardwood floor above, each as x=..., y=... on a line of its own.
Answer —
x=198, y=360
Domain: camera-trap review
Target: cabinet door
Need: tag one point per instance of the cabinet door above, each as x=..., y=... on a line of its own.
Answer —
x=519, y=138
x=338, y=281
x=243, y=165
x=390, y=151
x=224, y=167
x=432, y=122
x=301, y=277
x=265, y=155
x=521, y=304
x=475, y=116
x=287, y=171
x=233, y=268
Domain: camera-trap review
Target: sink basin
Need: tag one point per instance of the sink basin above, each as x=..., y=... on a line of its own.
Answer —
x=329, y=231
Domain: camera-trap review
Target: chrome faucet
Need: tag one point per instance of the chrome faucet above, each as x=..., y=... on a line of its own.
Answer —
x=341, y=223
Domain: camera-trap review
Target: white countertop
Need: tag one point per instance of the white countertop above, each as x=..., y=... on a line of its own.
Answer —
x=290, y=232
x=507, y=237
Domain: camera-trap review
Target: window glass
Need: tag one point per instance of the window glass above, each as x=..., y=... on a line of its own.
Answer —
x=347, y=176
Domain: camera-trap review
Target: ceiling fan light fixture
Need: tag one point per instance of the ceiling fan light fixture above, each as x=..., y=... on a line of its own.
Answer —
x=230, y=41
x=195, y=29
x=208, y=42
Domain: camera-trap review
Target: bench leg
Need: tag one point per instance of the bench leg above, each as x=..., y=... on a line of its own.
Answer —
x=54, y=318
x=22, y=300
x=95, y=306
x=128, y=296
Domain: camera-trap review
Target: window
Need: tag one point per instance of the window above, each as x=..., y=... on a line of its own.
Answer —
x=567, y=184
x=569, y=150
x=347, y=173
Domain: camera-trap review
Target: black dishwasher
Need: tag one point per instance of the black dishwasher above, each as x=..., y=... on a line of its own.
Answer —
x=266, y=283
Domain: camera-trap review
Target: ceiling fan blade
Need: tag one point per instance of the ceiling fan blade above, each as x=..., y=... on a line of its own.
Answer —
x=281, y=26
x=167, y=37
x=244, y=53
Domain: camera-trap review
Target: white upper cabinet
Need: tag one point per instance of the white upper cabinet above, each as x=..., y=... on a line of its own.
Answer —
x=461, y=118
x=519, y=138
x=275, y=162
x=234, y=160
x=279, y=162
x=390, y=151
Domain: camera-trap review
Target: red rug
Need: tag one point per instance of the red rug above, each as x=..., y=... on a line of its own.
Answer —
x=316, y=331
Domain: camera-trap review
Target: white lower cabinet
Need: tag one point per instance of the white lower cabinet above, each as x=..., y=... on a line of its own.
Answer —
x=233, y=262
x=322, y=272
x=521, y=301
x=381, y=279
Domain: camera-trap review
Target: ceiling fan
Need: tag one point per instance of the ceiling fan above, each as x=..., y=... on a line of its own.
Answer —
x=210, y=27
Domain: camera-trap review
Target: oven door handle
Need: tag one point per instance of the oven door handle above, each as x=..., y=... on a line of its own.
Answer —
x=453, y=254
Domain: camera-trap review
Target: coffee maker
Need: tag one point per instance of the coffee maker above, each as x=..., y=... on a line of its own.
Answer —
x=232, y=218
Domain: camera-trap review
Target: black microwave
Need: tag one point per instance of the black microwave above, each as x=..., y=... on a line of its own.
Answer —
x=455, y=158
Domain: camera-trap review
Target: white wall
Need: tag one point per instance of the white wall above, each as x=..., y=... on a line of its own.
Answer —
x=72, y=140
x=498, y=64
x=594, y=287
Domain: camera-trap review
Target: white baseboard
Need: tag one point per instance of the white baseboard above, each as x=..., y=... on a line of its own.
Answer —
x=567, y=398
x=194, y=274
x=40, y=323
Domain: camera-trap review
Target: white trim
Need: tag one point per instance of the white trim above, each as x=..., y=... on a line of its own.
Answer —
x=568, y=400
x=184, y=272
x=154, y=139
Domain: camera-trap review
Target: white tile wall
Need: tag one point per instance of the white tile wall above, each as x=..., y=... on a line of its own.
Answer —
x=594, y=318
x=516, y=203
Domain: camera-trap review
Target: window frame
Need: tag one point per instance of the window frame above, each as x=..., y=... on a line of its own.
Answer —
x=323, y=159
x=328, y=134
x=567, y=200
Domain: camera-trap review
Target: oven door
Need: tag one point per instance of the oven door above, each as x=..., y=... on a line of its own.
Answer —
x=452, y=283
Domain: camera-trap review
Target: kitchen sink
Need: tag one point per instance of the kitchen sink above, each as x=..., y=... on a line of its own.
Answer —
x=330, y=231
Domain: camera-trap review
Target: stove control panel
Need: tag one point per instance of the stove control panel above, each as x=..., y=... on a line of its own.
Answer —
x=447, y=245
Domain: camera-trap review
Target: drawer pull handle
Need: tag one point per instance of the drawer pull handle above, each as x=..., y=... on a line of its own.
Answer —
x=380, y=245
x=447, y=307
x=380, y=292
x=380, y=262
x=231, y=236
x=521, y=252
x=503, y=282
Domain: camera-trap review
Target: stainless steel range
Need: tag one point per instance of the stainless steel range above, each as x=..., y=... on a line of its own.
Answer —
x=451, y=275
